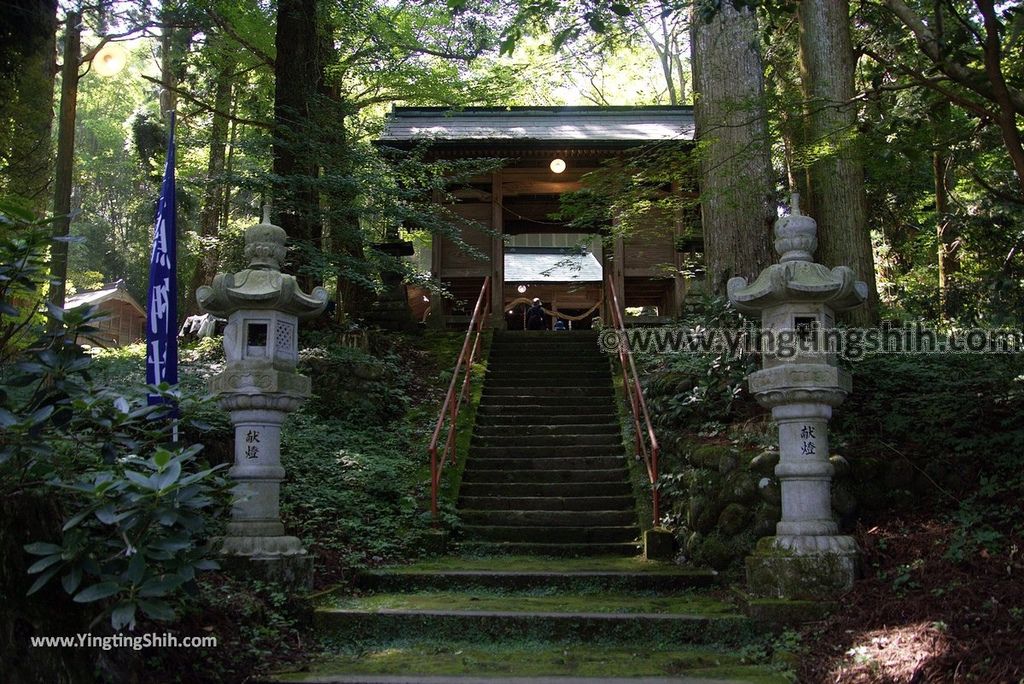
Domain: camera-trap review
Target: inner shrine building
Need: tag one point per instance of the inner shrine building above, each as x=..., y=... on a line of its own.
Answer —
x=545, y=152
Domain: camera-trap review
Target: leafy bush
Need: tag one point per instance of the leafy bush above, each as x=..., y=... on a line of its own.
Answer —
x=354, y=385
x=132, y=538
x=135, y=525
x=352, y=489
x=691, y=390
x=23, y=269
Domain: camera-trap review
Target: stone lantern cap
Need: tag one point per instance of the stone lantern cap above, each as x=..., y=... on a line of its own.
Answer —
x=261, y=286
x=797, y=278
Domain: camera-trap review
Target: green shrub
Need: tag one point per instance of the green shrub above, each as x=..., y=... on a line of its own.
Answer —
x=136, y=514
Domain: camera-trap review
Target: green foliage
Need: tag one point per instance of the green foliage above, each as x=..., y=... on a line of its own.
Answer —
x=354, y=386
x=23, y=241
x=965, y=453
x=132, y=538
x=693, y=390
x=258, y=626
x=352, y=488
x=356, y=453
x=137, y=513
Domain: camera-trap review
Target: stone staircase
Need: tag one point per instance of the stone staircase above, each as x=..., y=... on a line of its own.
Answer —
x=546, y=471
x=531, y=619
x=547, y=585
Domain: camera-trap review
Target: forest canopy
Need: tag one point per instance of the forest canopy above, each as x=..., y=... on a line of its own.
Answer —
x=278, y=103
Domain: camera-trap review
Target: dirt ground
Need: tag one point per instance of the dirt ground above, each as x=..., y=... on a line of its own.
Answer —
x=918, y=617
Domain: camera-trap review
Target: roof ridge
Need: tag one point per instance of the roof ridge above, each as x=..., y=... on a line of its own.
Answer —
x=543, y=109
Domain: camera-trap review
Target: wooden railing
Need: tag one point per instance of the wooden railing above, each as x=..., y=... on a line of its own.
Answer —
x=456, y=394
x=646, y=450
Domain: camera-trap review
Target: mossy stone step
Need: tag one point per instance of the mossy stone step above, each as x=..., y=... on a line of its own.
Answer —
x=527, y=438
x=547, y=503
x=528, y=334
x=491, y=429
x=388, y=580
x=551, y=375
x=556, y=370
x=553, y=404
x=554, y=450
x=505, y=343
x=503, y=626
x=686, y=604
x=554, y=390
x=530, y=411
x=475, y=475
x=526, y=462
x=552, y=518
x=535, y=383
x=483, y=548
x=544, y=489
x=550, y=421
x=431, y=661
x=527, y=364
x=548, y=354
x=525, y=534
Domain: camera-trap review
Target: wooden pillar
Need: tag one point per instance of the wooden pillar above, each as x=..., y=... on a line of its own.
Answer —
x=618, y=274
x=436, y=319
x=677, y=292
x=497, y=254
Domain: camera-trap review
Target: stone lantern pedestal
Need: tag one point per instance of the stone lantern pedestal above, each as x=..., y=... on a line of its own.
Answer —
x=259, y=387
x=801, y=384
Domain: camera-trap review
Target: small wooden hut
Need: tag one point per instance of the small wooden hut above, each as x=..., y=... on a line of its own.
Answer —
x=124, y=320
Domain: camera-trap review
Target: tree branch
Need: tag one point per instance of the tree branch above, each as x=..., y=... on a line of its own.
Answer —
x=207, y=107
x=931, y=83
x=974, y=79
x=229, y=30
x=994, y=191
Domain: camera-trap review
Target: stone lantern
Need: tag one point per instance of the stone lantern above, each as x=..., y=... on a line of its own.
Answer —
x=259, y=386
x=801, y=384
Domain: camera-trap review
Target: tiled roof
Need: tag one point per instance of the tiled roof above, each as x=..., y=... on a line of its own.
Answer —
x=632, y=125
x=550, y=265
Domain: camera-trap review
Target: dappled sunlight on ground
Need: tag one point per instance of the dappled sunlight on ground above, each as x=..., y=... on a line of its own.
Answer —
x=898, y=654
x=920, y=615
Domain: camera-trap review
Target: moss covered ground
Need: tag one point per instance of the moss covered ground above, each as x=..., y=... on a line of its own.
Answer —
x=526, y=659
x=539, y=564
x=539, y=601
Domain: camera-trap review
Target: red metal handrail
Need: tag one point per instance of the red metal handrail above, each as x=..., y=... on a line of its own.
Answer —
x=631, y=384
x=453, y=400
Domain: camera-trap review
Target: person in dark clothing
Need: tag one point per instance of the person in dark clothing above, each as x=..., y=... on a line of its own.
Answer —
x=535, y=317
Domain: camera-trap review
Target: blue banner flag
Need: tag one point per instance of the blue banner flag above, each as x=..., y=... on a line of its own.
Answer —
x=162, y=307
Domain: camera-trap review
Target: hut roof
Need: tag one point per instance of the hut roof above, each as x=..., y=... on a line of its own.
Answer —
x=113, y=292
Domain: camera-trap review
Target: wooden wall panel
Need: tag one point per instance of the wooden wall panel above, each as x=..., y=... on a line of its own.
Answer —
x=457, y=263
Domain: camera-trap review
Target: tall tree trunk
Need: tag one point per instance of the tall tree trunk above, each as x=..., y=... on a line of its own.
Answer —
x=229, y=166
x=28, y=42
x=213, y=198
x=346, y=236
x=168, y=98
x=299, y=75
x=1006, y=116
x=947, y=237
x=737, y=188
x=838, y=202
x=783, y=89
x=64, y=170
